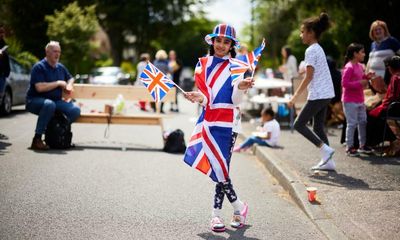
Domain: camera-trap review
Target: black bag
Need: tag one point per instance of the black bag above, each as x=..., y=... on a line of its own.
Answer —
x=175, y=142
x=58, y=133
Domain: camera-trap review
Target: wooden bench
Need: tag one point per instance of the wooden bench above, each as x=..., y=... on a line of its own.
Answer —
x=110, y=92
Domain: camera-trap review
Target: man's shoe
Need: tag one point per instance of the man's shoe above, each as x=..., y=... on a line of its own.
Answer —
x=39, y=144
x=352, y=152
x=238, y=220
x=217, y=224
x=365, y=149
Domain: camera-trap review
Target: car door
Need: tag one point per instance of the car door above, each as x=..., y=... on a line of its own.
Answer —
x=18, y=81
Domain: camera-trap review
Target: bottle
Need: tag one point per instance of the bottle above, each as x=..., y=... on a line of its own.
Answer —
x=119, y=104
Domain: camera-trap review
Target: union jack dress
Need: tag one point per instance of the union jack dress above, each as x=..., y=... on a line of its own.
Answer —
x=210, y=146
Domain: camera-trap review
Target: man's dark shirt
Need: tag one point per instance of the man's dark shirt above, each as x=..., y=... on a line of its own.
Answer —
x=43, y=72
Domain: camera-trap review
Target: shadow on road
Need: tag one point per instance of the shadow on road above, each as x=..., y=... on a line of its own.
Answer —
x=81, y=147
x=378, y=160
x=3, y=147
x=233, y=234
x=15, y=112
x=51, y=151
x=342, y=180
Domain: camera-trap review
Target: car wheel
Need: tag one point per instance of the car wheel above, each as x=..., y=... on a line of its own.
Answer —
x=6, y=103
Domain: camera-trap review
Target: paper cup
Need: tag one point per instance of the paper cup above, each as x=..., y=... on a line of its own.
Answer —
x=68, y=89
x=312, y=193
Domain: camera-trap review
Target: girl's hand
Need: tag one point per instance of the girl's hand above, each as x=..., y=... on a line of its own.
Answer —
x=291, y=102
x=194, y=97
x=364, y=83
x=370, y=75
x=246, y=83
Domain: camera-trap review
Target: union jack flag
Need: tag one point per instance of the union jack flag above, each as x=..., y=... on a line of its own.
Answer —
x=209, y=147
x=242, y=63
x=210, y=144
x=156, y=82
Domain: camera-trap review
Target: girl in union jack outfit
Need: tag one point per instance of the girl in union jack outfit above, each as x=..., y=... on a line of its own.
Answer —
x=210, y=147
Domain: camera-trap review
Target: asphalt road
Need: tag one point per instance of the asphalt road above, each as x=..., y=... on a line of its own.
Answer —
x=362, y=197
x=125, y=187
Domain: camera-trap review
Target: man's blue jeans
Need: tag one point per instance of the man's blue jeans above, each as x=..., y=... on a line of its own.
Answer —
x=252, y=140
x=45, y=109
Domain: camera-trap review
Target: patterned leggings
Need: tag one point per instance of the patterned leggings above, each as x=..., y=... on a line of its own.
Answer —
x=225, y=188
x=222, y=189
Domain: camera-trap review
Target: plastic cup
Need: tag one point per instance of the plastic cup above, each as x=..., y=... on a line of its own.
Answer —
x=312, y=193
x=68, y=89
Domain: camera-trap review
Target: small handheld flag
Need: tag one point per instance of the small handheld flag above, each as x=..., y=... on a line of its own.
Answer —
x=156, y=82
x=242, y=63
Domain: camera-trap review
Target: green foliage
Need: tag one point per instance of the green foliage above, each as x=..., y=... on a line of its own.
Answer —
x=128, y=67
x=187, y=39
x=296, y=45
x=141, y=24
x=298, y=48
x=274, y=20
x=104, y=61
x=73, y=27
x=279, y=21
x=147, y=25
x=25, y=19
x=14, y=45
x=26, y=58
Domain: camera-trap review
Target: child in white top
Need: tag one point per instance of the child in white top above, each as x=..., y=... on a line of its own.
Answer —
x=320, y=90
x=267, y=135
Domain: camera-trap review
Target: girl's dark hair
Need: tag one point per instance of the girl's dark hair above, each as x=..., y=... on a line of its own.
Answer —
x=351, y=49
x=268, y=111
x=393, y=62
x=232, y=50
x=317, y=24
x=288, y=51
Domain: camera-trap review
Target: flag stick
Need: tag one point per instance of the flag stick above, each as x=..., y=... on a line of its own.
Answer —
x=176, y=85
x=252, y=74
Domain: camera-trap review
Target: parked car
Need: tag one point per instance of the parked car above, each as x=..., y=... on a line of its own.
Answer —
x=16, y=86
x=109, y=75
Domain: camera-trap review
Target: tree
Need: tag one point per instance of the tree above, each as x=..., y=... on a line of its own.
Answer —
x=73, y=27
x=26, y=21
x=26, y=58
x=187, y=39
x=279, y=21
x=275, y=20
x=139, y=23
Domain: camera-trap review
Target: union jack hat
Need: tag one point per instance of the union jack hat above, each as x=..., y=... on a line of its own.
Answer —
x=223, y=30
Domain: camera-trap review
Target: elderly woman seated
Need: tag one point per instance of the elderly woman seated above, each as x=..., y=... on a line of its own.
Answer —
x=377, y=116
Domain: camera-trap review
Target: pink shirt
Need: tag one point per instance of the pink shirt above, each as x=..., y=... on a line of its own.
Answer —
x=351, y=83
